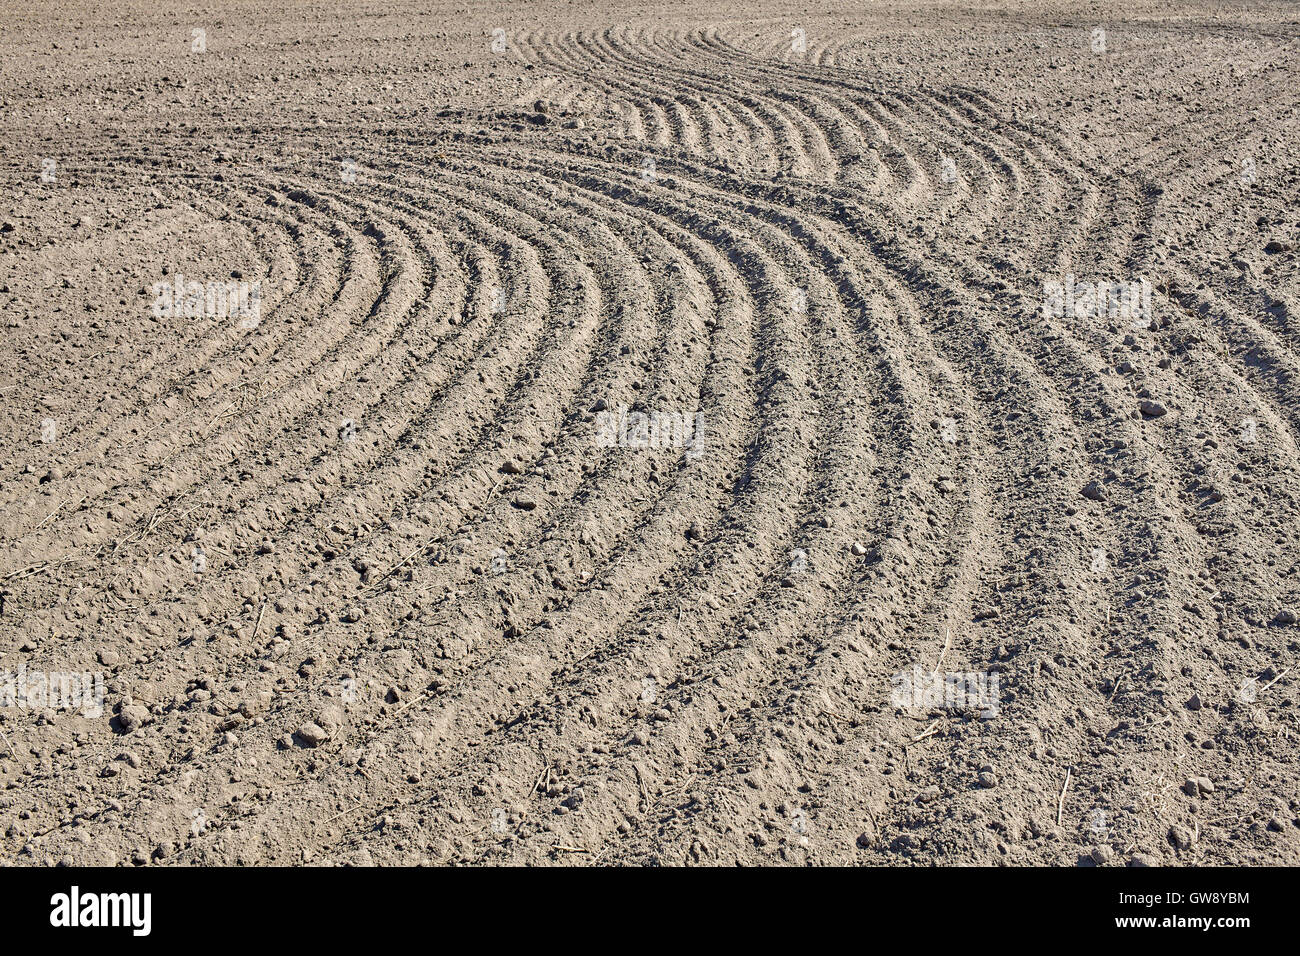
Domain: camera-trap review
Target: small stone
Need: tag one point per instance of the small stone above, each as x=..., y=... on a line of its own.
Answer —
x=1151, y=409
x=1142, y=859
x=312, y=735
x=1276, y=825
x=1205, y=784
x=511, y=468
x=1195, y=702
x=1277, y=246
x=1286, y=616
x=858, y=548
x=1101, y=855
x=1180, y=837
x=864, y=840
x=988, y=780
x=524, y=504
x=132, y=717
x=1094, y=491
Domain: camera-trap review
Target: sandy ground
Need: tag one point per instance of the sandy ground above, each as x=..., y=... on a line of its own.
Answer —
x=388, y=567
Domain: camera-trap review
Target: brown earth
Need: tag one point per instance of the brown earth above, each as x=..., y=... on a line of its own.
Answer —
x=365, y=585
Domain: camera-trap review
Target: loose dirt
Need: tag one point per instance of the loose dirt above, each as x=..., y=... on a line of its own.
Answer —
x=928, y=558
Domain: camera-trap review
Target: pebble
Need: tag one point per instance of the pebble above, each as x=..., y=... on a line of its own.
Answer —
x=1094, y=491
x=1180, y=837
x=858, y=548
x=1101, y=855
x=1151, y=409
x=988, y=780
x=312, y=735
x=1195, y=702
x=132, y=717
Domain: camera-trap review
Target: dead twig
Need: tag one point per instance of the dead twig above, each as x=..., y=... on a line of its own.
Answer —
x=30, y=569
x=1060, y=801
x=947, y=639
x=342, y=813
x=1275, y=680
x=928, y=732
